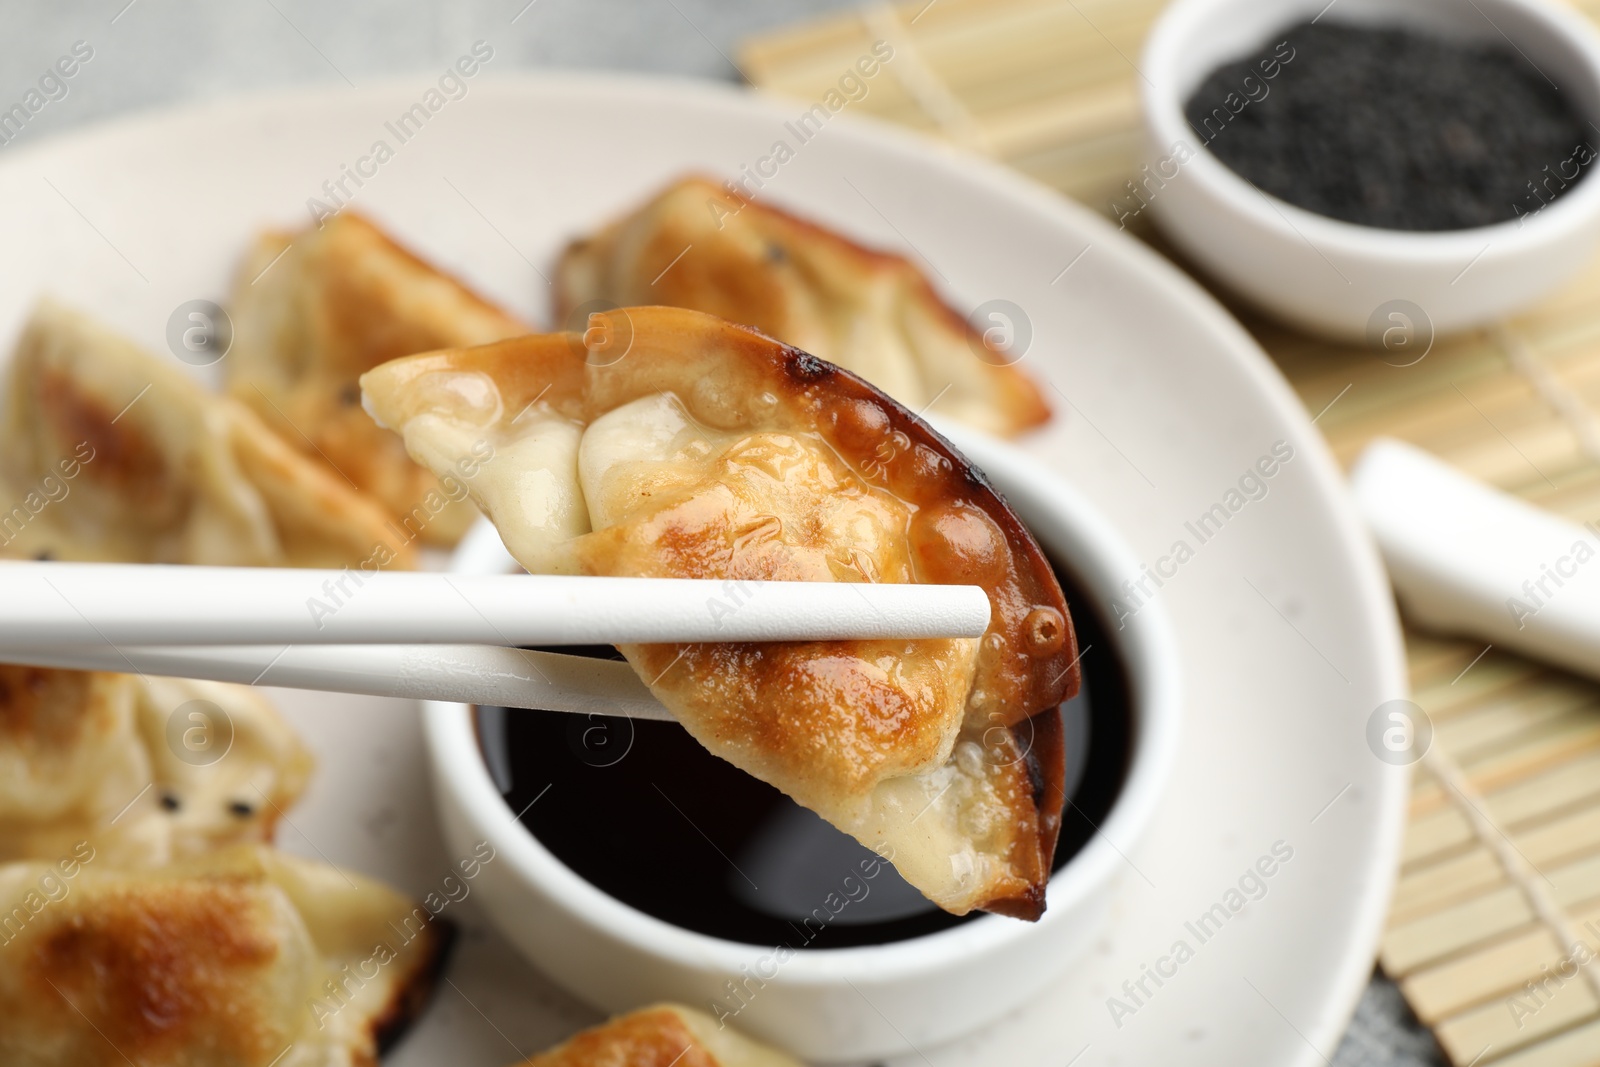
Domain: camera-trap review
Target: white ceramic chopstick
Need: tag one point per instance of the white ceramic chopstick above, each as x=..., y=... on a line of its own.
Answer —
x=86, y=604
x=474, y=674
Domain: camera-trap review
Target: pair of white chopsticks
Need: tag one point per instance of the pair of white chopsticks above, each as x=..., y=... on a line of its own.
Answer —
x=428, y=635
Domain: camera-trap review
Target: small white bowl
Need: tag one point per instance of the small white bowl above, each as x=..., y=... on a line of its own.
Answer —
x=1389, y=287
x=848, y=1003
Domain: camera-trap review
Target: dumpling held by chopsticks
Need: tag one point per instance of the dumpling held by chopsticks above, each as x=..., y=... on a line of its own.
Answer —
x=668, y=443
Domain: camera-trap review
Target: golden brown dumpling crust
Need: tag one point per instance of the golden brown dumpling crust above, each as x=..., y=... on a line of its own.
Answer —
x=643, y=1039
x=89, y=758
x=341, y=300
x=662, y=1036
x=709, y=450
x=250, y=958
x=770, y=508
x=46, y=710
x=161, y=978
x=115, y=454
x=65, y=738
x=697, y=245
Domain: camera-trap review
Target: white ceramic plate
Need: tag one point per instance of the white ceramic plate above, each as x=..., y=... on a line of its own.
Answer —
x=1163, y=402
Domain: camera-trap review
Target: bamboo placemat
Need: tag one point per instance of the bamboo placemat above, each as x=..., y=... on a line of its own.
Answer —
x=1498, y=904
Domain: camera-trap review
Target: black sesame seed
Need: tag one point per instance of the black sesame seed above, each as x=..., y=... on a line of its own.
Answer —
x=170, y=802
x=240, y=809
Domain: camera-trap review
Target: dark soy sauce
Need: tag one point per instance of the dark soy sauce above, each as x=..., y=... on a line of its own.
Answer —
x=645, y=814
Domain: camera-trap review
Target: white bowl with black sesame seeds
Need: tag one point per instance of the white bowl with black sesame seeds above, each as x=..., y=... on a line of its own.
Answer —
x=1401, y=265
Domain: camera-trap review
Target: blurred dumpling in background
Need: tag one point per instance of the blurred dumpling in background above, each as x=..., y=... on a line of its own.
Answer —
x=665, y=1035
x=143, y=917
x=696, y=245
x=143, y=770
x=111, y=453
x=247, y=957
x=225, y=766
x=313, y=311
x=70, y=759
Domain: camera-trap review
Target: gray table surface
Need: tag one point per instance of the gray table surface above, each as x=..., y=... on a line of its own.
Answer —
x=151, y=53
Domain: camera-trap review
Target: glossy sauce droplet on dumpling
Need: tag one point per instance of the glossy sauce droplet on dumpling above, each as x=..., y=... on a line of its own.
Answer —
x=858, y=424
x=964, y=541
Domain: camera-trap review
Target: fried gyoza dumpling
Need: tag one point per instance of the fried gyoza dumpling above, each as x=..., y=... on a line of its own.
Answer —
x=250, y=958
x=140, y=770
x=115, y=454
x=668, y=443
x=697, y=245
x=341, y=300
x=664, y=1035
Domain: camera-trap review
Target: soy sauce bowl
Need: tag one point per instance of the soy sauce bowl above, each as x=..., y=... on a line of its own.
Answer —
x=1389, y=288
x=919, y=978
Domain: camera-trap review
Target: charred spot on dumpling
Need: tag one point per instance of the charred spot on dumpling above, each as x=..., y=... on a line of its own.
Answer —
x=1045, y=757
x=1028, y=906
x=1030, y=758
x=396, y=1018
x=170, y=801
x=977, y=479
x=805, y=367
x=241, y=809
x=1040, y=743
